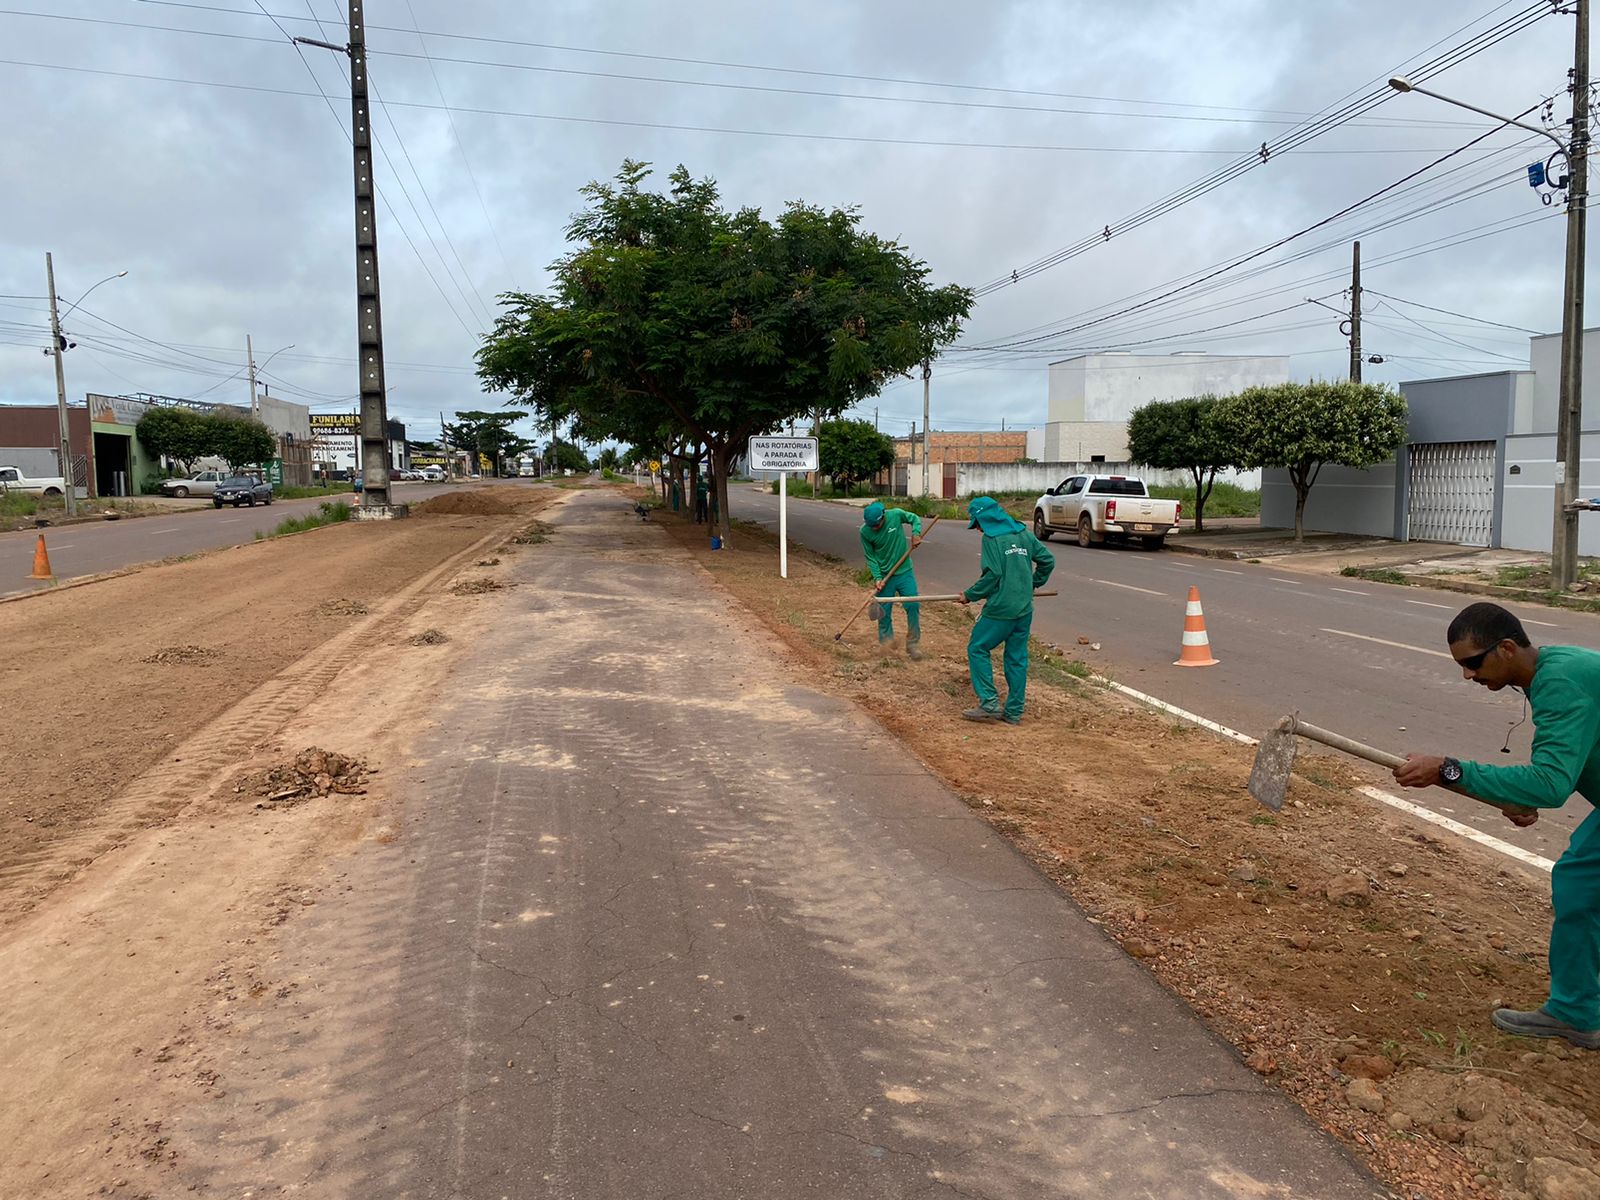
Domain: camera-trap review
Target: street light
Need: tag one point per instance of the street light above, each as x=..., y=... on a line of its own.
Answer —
x=69, y=482
x=1569, y=413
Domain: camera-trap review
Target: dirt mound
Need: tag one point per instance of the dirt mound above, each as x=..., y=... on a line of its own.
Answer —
x=467, y=504
x=314, y=772
x=429, y=637
x=476, y=587
x=169, y=656
x=341, y=608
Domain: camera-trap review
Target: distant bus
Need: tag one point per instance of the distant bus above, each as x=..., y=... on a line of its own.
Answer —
x=527, y=467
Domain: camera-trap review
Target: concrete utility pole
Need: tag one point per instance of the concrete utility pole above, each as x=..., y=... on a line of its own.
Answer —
x=250, y=360
x=927, y=381
x=1569, y=419
x=1569, y=413
x=372, y=445
x=1355, y=313
x=69, y=483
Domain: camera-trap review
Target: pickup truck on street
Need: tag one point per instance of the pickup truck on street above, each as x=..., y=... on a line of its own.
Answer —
x=14, y=480
x=1105, y=508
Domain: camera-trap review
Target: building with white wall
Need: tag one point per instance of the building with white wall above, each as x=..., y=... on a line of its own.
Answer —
x=1093, y=396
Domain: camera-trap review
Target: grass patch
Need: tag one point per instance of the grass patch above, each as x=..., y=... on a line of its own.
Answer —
x=328, y=513
x=1376, y=575
x=310, y=493
x=1226, y=499
x=18, y=504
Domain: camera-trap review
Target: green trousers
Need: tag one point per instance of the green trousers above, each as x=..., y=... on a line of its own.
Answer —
x=902, y=584
x=1575, y=935
x=986, y=635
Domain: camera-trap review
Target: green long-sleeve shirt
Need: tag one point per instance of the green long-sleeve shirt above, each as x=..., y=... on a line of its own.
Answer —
x=883, y=547
x=1013, y=565
x=1565, y=701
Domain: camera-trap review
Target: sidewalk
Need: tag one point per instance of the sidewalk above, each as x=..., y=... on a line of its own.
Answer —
x=662, y=920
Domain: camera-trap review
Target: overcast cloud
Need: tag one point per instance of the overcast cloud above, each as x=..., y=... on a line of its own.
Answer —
x=230, y=206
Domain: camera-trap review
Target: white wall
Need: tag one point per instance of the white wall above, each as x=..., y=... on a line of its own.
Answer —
x=1527, y=515
x=1108, y=387
x=1341, y=501
x=1081, y=441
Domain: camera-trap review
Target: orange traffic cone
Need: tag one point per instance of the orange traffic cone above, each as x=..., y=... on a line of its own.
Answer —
x=1196, y=645
x=41, y=562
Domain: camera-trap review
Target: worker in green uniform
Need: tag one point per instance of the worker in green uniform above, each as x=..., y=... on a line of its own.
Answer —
x=1014, y=564
x=1562, y=684
x=883, y=541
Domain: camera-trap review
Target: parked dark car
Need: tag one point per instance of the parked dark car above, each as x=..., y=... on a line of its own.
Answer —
x=242, y=489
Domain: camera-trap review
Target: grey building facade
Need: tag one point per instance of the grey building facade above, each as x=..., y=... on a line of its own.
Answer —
x=1477, y=468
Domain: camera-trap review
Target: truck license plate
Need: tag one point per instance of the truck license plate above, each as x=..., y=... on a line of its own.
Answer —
x=1143, y=528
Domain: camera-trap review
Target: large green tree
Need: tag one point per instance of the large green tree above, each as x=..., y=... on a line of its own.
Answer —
x=180, y=434
x=487, y=433
x=849, y=452
x=241, y=441
x=675, y=322
x=1183, y=435
x=1302, y=426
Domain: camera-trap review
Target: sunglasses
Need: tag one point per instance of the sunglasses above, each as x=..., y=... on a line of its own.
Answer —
x=1473, y=661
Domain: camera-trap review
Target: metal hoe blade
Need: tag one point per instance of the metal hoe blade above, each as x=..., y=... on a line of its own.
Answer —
x=1269, y=778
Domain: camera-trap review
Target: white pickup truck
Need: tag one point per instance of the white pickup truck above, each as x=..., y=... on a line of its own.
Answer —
x=14, y=480
x=1102, y=508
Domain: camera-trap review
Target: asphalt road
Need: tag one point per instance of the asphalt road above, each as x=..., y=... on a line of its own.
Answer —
x=1365, y=659
x=92, y=548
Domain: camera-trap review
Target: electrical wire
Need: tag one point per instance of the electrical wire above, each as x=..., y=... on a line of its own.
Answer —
x=1451, y=313
x=1291, y=141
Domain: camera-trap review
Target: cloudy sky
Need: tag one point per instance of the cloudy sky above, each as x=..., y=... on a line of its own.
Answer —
x=188, y=144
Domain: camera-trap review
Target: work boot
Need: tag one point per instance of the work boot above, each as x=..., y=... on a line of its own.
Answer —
x=885, y=638
x=981, y=714
x=913, y=651
x=1541, y=1024
x=1010, y=720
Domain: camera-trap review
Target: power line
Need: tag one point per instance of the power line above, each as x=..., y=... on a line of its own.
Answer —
x=720, y=130
x=782, y=70
x=1290, y=141
x=1451, y=313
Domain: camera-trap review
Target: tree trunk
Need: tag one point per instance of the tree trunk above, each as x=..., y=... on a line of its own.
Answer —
x=721, y=458
x=1199, y=501
x=1302, y=489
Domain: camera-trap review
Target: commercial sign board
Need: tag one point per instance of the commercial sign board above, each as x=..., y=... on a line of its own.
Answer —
x=116, y=410
x=429, y=460
x=333, y=435
x=783, y=454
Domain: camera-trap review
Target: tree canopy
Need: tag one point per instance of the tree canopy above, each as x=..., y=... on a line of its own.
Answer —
x=184, y=435
x=674, y=322
x=487, y=433
x=1183, y=435
x=1301, y=426
x=852, y=451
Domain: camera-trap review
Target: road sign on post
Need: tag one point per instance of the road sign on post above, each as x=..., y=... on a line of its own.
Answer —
x=783, y=454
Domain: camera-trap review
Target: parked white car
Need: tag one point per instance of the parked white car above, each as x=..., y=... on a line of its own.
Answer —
x=434, y=474
x=11, y=479
x=203, y=483
x=1105, y=508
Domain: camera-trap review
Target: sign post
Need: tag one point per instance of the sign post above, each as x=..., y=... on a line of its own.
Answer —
x=783, y=454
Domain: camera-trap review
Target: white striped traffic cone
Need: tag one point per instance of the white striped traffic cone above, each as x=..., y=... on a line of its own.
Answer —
x=1196, y=650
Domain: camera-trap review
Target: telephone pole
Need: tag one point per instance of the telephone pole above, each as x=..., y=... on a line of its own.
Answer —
x=69, y=484
x=1355, y=313
x=250, y=359
x=1569, y=417
x=927, y=380
x=372, y=441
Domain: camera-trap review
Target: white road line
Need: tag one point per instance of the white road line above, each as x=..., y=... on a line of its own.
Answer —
x=1225, y=571
x=1489, y=841
x=1386, y=642
x=1427, y=604
x=1546, y=624
x=231, y=521
x=1349, y=591
x=173, y=529
x=65, y=545
x=1128, y=587
x=1280, y=579
x=1292, y=591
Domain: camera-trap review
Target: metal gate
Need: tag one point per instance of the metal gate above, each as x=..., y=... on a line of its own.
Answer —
x=1452, y=493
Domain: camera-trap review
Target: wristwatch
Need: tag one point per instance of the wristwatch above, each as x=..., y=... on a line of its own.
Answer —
x=1449, y=771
